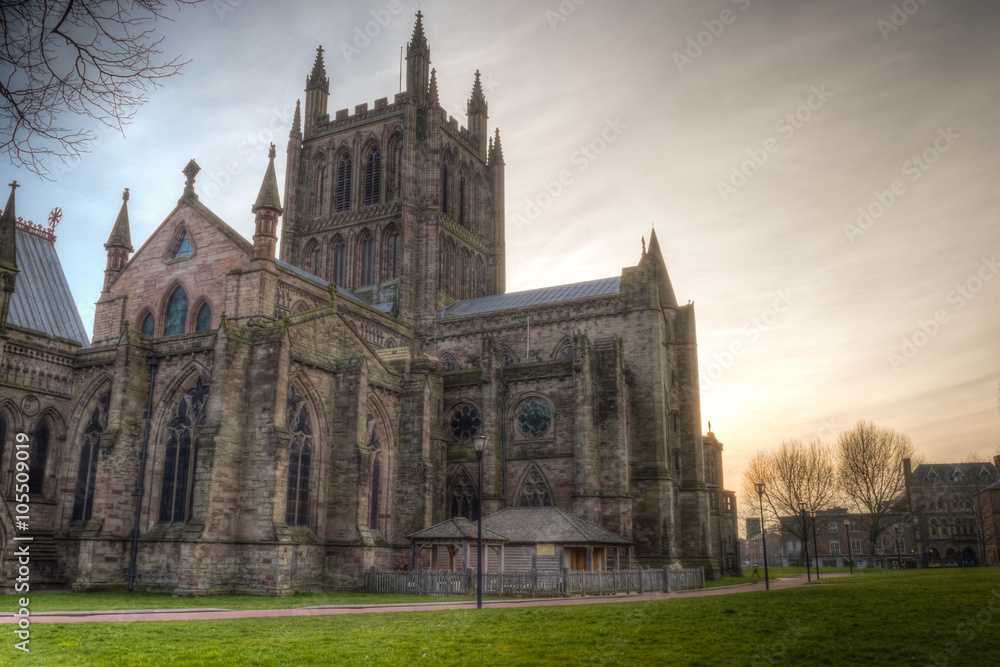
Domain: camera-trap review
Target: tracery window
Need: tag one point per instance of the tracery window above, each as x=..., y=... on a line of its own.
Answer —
x=340, y=264
x=179, y=458
x=39, y=453
x=444, y=189
x=535, y=493
x=148, y=325
x=83, y=500
x=465, y=498
x=391, y=254
x=463, y=208
x=367, y=261
x=299, y=460
x=173, y=323
x=566, y=353
x=508, y=357
x=448, y=364
x=320, y=188
x=534, y=418
x=203, y=320
x=313, y=263
x=373, y=177
x=375, y=450
x=465, y=422
x=343, y=202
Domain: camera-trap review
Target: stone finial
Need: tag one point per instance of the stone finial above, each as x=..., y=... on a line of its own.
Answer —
x=190, y=172
x=125, y=195
x=434, y=98
x=643, y=246
x=296, y=132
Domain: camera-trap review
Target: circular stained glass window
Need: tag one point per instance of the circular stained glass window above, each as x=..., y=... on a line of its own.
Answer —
x=534, y=418
x=465, y=422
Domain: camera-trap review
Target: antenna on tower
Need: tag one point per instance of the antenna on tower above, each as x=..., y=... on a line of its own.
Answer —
x=401, y=69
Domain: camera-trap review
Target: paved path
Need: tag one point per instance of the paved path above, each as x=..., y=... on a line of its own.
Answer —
x=222, y=614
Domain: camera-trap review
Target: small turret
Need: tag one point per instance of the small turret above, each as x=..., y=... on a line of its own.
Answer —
x=433, y=98
x=267, y=209
x=119, y=245
x=418, y=63
x=8, y=257
x=478, y=115
x=317, y=93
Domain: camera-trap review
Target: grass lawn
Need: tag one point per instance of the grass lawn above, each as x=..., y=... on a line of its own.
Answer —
x=920, y=617
x=128, y=601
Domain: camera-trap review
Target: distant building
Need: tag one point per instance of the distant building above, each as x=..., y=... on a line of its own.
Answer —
x=841, y=536
x=941, y=501
x=988, y=513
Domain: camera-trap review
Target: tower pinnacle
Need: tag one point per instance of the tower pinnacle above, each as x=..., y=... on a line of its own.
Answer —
x=267, y=209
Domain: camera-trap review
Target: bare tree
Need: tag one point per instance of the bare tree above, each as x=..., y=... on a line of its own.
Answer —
x=870, y=469
x=793, y=474
x=78, y=58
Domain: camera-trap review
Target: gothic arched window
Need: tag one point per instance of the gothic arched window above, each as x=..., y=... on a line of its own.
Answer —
x=3, y=434
x=367, y=262
x=373, y=177
x=391, y=254
x=343, y=202
x=480, y=277
x=319, y=189
x=203, y=320
x=39, y=453
x=179, y=458
x=534, y=418
x=148, y=326
x=311, y=258
x=444, y=189
x=299, y=460
x=375, y=451
x=535, y=492
x=340, y=264
x=176, y=315
x=465, y=422
x=397, y=169
x=86, y=477
x=464, y=498
x=463, y=208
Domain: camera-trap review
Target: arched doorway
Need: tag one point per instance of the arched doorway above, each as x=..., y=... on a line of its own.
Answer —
x=969, y=558
x=950, y=558
x=933, y=557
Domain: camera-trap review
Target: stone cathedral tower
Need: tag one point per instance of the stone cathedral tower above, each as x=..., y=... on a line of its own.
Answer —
x=397, y=203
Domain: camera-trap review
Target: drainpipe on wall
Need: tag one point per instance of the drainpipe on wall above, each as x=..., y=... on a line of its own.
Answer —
x=154, y=366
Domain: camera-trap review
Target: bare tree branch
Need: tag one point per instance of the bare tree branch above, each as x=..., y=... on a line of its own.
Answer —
x=65, y=60
x=870, y=469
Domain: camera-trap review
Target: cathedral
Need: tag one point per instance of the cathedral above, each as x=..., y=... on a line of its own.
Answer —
x=276, y=415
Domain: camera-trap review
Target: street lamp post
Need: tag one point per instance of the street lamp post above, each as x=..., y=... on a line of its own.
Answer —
x=805, y=538
x=763, y=534
x=479, y=443
x=847, y=531
x=812, y=514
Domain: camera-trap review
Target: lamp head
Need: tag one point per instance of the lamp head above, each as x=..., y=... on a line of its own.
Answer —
x=847, y=523
x=479, y=443
x=812, y=513
x=802, y=506
x=760, y=488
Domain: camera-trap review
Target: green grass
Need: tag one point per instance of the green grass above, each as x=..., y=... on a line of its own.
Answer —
x=916, y=617
x=130, y=601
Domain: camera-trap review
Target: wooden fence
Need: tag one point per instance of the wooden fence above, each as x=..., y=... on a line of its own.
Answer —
x=534, y=583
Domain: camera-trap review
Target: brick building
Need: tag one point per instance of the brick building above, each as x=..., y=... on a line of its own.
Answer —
x=841, y=536
x=264, y=418
x=988, y=507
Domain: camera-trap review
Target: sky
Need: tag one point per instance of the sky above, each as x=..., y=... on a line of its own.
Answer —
x=822, y=178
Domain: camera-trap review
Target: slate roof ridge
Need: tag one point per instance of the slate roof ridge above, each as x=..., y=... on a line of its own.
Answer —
x=534, y=297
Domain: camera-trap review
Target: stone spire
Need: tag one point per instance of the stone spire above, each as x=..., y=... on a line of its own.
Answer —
x=496, y=151
x=267, y=209
x=653, y=261
x=418, y=63
x=119, y=245
x=478, y=115
x=433, y=98
x=296, y=132
x=8, y=257
x=317, y=93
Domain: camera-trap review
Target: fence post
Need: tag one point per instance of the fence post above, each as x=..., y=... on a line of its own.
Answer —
x=666, y=578
x=566, y=591
x=702, y=568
